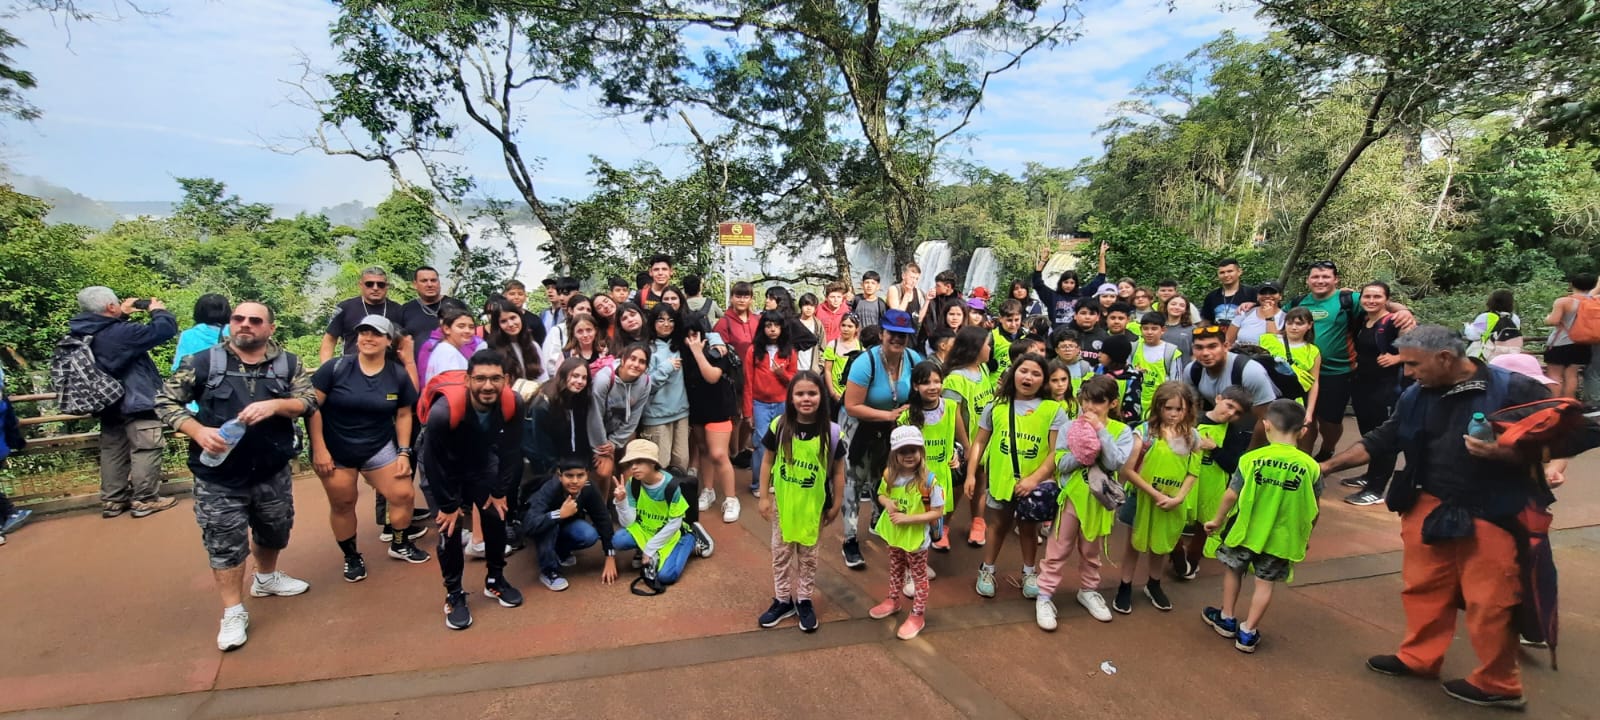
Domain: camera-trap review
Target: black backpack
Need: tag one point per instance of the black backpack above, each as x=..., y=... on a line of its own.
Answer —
x=1284, y=385
x=82, y=388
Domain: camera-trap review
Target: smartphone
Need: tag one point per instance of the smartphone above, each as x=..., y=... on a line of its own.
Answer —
x=142, y=304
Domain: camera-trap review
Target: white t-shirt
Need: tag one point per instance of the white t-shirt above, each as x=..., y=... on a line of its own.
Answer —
x=1252, y=327
x=445, y=357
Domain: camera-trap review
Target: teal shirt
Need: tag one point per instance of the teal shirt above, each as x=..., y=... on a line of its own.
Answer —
x=1332, y=326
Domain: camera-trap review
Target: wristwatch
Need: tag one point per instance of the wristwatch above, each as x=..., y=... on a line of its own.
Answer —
x=404, y=451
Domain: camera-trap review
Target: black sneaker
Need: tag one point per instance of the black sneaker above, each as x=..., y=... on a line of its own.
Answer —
x=1323, y=456
x=1465, y=692
x=1364, y=498
x=409, y=552
x=1389, y=665
x=499, y=589
x=703, y=544
x=852, y=555
x=355, y=569
x=742, y=459
x=415, y=532
x=780, y=610
x=1354, y=482
x=421, y=514
x=457, y=616
x=1123, y=602
x=808, y=616
x=1157, y=596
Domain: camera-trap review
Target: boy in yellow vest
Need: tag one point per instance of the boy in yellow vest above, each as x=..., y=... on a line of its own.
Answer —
x=1264, y=522
x=651, y=509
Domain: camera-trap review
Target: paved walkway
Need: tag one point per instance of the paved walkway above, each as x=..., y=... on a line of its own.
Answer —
x=117, y=618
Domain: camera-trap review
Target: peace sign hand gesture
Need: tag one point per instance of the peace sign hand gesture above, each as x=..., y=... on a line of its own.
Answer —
x=618, y=488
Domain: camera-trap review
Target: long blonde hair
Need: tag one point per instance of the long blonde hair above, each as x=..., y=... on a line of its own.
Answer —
x=1169, y=390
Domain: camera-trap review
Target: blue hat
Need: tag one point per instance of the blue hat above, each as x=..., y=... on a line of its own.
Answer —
x=897, y=321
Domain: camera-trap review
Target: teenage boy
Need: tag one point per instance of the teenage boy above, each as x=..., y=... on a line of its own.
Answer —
x=617, y=288
x=1168, y=289
x=556, y=316
x=1091, y=337
x=651, y=506
x=867, y=305
x=1009, y=331
x=565, y=517
x=698, y=304
x=660, y=277
x=1158, y=359
x=1117, y=317
x=832, y=309
x=1269, y=509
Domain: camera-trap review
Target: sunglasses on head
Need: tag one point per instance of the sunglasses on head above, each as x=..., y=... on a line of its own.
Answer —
x=1326, y=265
x=1208, y=330
x=249, y=320
x=375, y=283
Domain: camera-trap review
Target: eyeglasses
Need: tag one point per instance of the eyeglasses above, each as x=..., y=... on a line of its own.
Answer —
x=664, y=319
x=375, y=284
x=1326, y=265
x=487, y=379
x=249, y=320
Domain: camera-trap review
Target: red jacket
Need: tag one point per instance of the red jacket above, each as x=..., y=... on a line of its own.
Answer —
x=767, y=380
x=738, y=334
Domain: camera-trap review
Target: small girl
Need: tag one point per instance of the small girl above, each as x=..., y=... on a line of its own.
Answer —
x=943, y=431
x=1026, y=424
x=802, y=486
x=837, y=353
x=1060, y=382
x=968, y=382
x=1299, y=330
x=1164, y=474
x=769, y=365
x=913, y=502
x=1082, y=520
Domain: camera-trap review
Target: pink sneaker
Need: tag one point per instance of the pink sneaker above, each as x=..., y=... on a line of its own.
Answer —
x=911, y=627
x=884, y=609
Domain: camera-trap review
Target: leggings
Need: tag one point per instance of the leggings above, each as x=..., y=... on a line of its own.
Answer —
x=902, y=563
x=1373, y=403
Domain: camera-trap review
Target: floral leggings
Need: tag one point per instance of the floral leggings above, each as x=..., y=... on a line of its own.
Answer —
x=902, y=562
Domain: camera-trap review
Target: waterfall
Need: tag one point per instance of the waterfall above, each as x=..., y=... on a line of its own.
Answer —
x=864, y=257
x=983, y=272
x=933, y=256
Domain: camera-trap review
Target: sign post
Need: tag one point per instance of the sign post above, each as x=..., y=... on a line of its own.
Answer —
x=732, y=234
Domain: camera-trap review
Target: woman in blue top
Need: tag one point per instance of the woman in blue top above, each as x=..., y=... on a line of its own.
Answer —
x=666, y=414
x=876, y=392
x=210, y=321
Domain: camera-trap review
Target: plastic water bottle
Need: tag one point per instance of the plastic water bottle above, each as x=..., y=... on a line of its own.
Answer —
x=1480, y=429
x=231, y=431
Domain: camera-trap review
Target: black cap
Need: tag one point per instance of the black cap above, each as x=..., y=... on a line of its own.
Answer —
x=1271, y=287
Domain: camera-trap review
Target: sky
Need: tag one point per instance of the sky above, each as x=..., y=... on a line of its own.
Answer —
x=132, y=102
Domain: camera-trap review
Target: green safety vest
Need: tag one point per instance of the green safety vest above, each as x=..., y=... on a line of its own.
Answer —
x=836, y=375
x=1155, y=373
x=1303, y=359
x=1277, y=506
x=976, y=395
x=1001, y=350
x=1156, y=530
x=939, y=443
x=1094, y=520
x=654, y=515
x=1034, y=447
x=799, y=487
x=909, y=500
x=1212, y=480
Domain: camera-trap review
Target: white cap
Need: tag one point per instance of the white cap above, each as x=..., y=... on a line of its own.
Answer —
x=1107, y=289
x=904, y=436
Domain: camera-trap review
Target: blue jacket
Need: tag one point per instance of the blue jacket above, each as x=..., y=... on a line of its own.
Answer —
x=669, y=400
x=122, y=349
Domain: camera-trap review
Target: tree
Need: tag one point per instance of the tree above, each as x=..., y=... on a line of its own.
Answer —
x=39, y=276
x=14, y=82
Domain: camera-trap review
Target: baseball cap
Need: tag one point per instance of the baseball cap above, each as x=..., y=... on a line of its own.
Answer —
x=379, y=323
x=897, y=321
x=905, y=436
x=1270, y=287
x=1106, y=289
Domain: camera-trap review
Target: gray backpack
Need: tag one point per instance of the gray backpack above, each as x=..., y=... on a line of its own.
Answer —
x=82, y=388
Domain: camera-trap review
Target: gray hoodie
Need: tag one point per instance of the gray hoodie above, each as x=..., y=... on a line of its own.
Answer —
x=618, y=406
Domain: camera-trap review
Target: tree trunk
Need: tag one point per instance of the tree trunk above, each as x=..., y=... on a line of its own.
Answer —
x=1444, y=192
x=841, y=258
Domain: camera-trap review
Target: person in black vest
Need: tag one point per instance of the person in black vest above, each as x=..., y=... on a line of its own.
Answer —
x=472, y=454
x=246, y=498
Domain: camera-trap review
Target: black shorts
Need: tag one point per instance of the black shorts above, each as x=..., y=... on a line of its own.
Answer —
x=1333, y=395
x=1573, y=354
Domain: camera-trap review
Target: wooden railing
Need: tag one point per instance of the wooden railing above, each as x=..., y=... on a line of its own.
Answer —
x=61, y=488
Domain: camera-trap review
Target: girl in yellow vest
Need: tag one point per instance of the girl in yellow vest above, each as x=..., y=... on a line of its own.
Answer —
x=1160, y=481
x=1215, y=426
x=968, y=382
x=1299, y=329
x=802, y=488
x=1060, y=384
x=837, y=353
x=1016, y=443
x=943, y=430
x=913, y=503
x=1081, y=520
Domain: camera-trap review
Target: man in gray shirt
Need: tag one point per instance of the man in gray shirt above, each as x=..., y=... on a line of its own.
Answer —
x=1218, y=368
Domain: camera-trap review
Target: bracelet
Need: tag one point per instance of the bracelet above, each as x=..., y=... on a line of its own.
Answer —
x=404, y=451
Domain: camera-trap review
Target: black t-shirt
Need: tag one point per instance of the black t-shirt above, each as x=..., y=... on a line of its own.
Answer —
x=1221, y=309
x=417, y=321
x=708, y=402
x=805, y=432
x=348, y=314
x=358, y=414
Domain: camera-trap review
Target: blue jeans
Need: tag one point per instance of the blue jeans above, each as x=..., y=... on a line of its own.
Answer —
x=763, y=414
x=667, y=571
x=563, y=539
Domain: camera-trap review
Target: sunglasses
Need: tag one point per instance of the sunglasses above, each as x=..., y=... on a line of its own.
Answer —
x=249, y=320
x=375, y=283
x=1326, y=265
x=1208, y=330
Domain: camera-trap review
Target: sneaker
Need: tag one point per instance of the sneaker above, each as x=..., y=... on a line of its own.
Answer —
x=150, y=507
x=979, y=534
x=742, y=459
x=703, y=544
x=1123, y=603
x=15, y=521
x=409, y=552
x=110, y=510
x=1225, y=626
x=234, y=633
x=910, y=588
x=872, y=527
x=553, y=580
x=852, y=555
x=277, y=584
x=1158, y=597
x=808, y=616
x=355, y=569
x=1044, y=613
x=931, y=573
x=1030, y=584
x=780, y=611
x=569, y=561
x=884, y=609
x=985, y=585
x=1182, y=569
x=1192, y=569
x=415, y=532
x=730, y=510
x=1389, y=665
x=1247, y=640
x=1095, y=603
x=1354, y=482
x=1323, y=456
x=755, y=491
x=943, y=543
x=1364, y=498
x=1465, y=692
x=457, y=616
x=2, y=539
x=911, y=627
x=501, y=590
x=421, y=514
x=1532, y=643
x=707, y=496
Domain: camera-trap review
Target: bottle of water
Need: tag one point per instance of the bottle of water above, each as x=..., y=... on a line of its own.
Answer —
x=231, y=431
x=1480, y=429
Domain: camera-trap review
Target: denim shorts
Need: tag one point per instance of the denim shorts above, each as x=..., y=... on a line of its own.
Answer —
x=385, y=456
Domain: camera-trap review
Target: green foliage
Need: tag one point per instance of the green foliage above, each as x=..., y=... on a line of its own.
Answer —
x=1151, y=253
x=39, y=275
x=14, y=82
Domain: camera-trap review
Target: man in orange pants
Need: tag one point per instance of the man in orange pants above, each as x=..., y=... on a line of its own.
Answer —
x=1453, y=487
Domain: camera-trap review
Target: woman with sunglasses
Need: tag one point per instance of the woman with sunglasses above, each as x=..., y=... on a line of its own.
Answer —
x=876, y=393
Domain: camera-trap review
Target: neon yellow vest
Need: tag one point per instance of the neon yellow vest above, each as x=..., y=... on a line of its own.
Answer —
x=1034, y=447
x=654, y=515
x=1277, y=506
x=1212, y=480
x=1303, y=359
x=836, y=365
x=1156, y=530
x=799, y=487
x=907, y=499
x=1155, y=373
x=975, y=395
x=939, y=442
x=1000, y=350
x=1094, y=520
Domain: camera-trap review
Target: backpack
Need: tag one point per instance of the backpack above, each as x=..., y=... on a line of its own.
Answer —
x=452, y=386
x=82, y=388
x=731, y=366
x=1585, y=328
x=1285, y=383
x=1503, y=337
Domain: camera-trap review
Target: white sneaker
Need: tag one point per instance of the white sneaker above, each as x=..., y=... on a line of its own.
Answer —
x=730, y=510
x=1095, y=603
x=476, y=550
x=931, y=573
x=277, y=584
x=707, y=496
x=910, y=589
x=233, y=630
x=1030, y=585
x=1044, y=613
